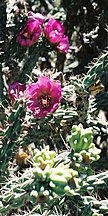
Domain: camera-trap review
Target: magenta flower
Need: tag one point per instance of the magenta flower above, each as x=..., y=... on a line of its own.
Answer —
x=30, y=34
x=36, y=16
x=63, y=45
x=16, y=90
x=54, y=30
x=43, y=97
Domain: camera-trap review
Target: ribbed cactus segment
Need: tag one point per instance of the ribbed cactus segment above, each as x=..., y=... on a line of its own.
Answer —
x=11, y=134
x=96, y=71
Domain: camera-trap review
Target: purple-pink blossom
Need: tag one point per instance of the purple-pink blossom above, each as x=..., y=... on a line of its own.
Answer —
x=30, y=34
x=37, y=16
x=54, y=30
x=16, y=90
x=63, y=45
x=43, y=97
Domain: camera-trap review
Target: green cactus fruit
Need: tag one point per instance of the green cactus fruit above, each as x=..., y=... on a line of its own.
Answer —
x=94, y=151
x=77, y=157
x=86, y=139
x=86, y=157
x=58, y=180
x=34, y=193
x=67, y=175
x=4, y=209
x=80, y=138
x=17, y=204
x=59, y=191
x=75, y=137
x=33, y=197
x=68, y=191
x=40, y=197
x=37, y=172
x=44, y=157
x=1, y=204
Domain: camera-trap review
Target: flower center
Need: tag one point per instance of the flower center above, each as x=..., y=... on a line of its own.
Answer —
x=56, y=32
x=26, y=35
x=45, y=101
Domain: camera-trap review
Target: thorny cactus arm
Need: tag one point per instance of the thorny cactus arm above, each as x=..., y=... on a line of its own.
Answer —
x=30, y=62
x=11, y=134
x=2, y=41
x=93, y=207
x=95, y=82
x=99, y=68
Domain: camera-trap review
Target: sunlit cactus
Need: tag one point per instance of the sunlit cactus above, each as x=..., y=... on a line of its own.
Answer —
x=44, y=158
x=81, y=141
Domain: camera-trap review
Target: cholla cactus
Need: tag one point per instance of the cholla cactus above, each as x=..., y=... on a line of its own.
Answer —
x=42, y=183
x=50, y=179
x=59, y=179
x=63, y=180
x=44, y=158
x=81, y=141
x=84, y=151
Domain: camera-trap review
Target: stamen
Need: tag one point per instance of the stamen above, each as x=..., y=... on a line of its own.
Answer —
x=26, y=35
x=45, y=101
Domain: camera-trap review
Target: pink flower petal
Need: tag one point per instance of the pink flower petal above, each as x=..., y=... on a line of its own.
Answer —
x=37, y=16
x=16, y=90
x=54, y=30
x=63, y=45
x=30, y=34
x=43, y=97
